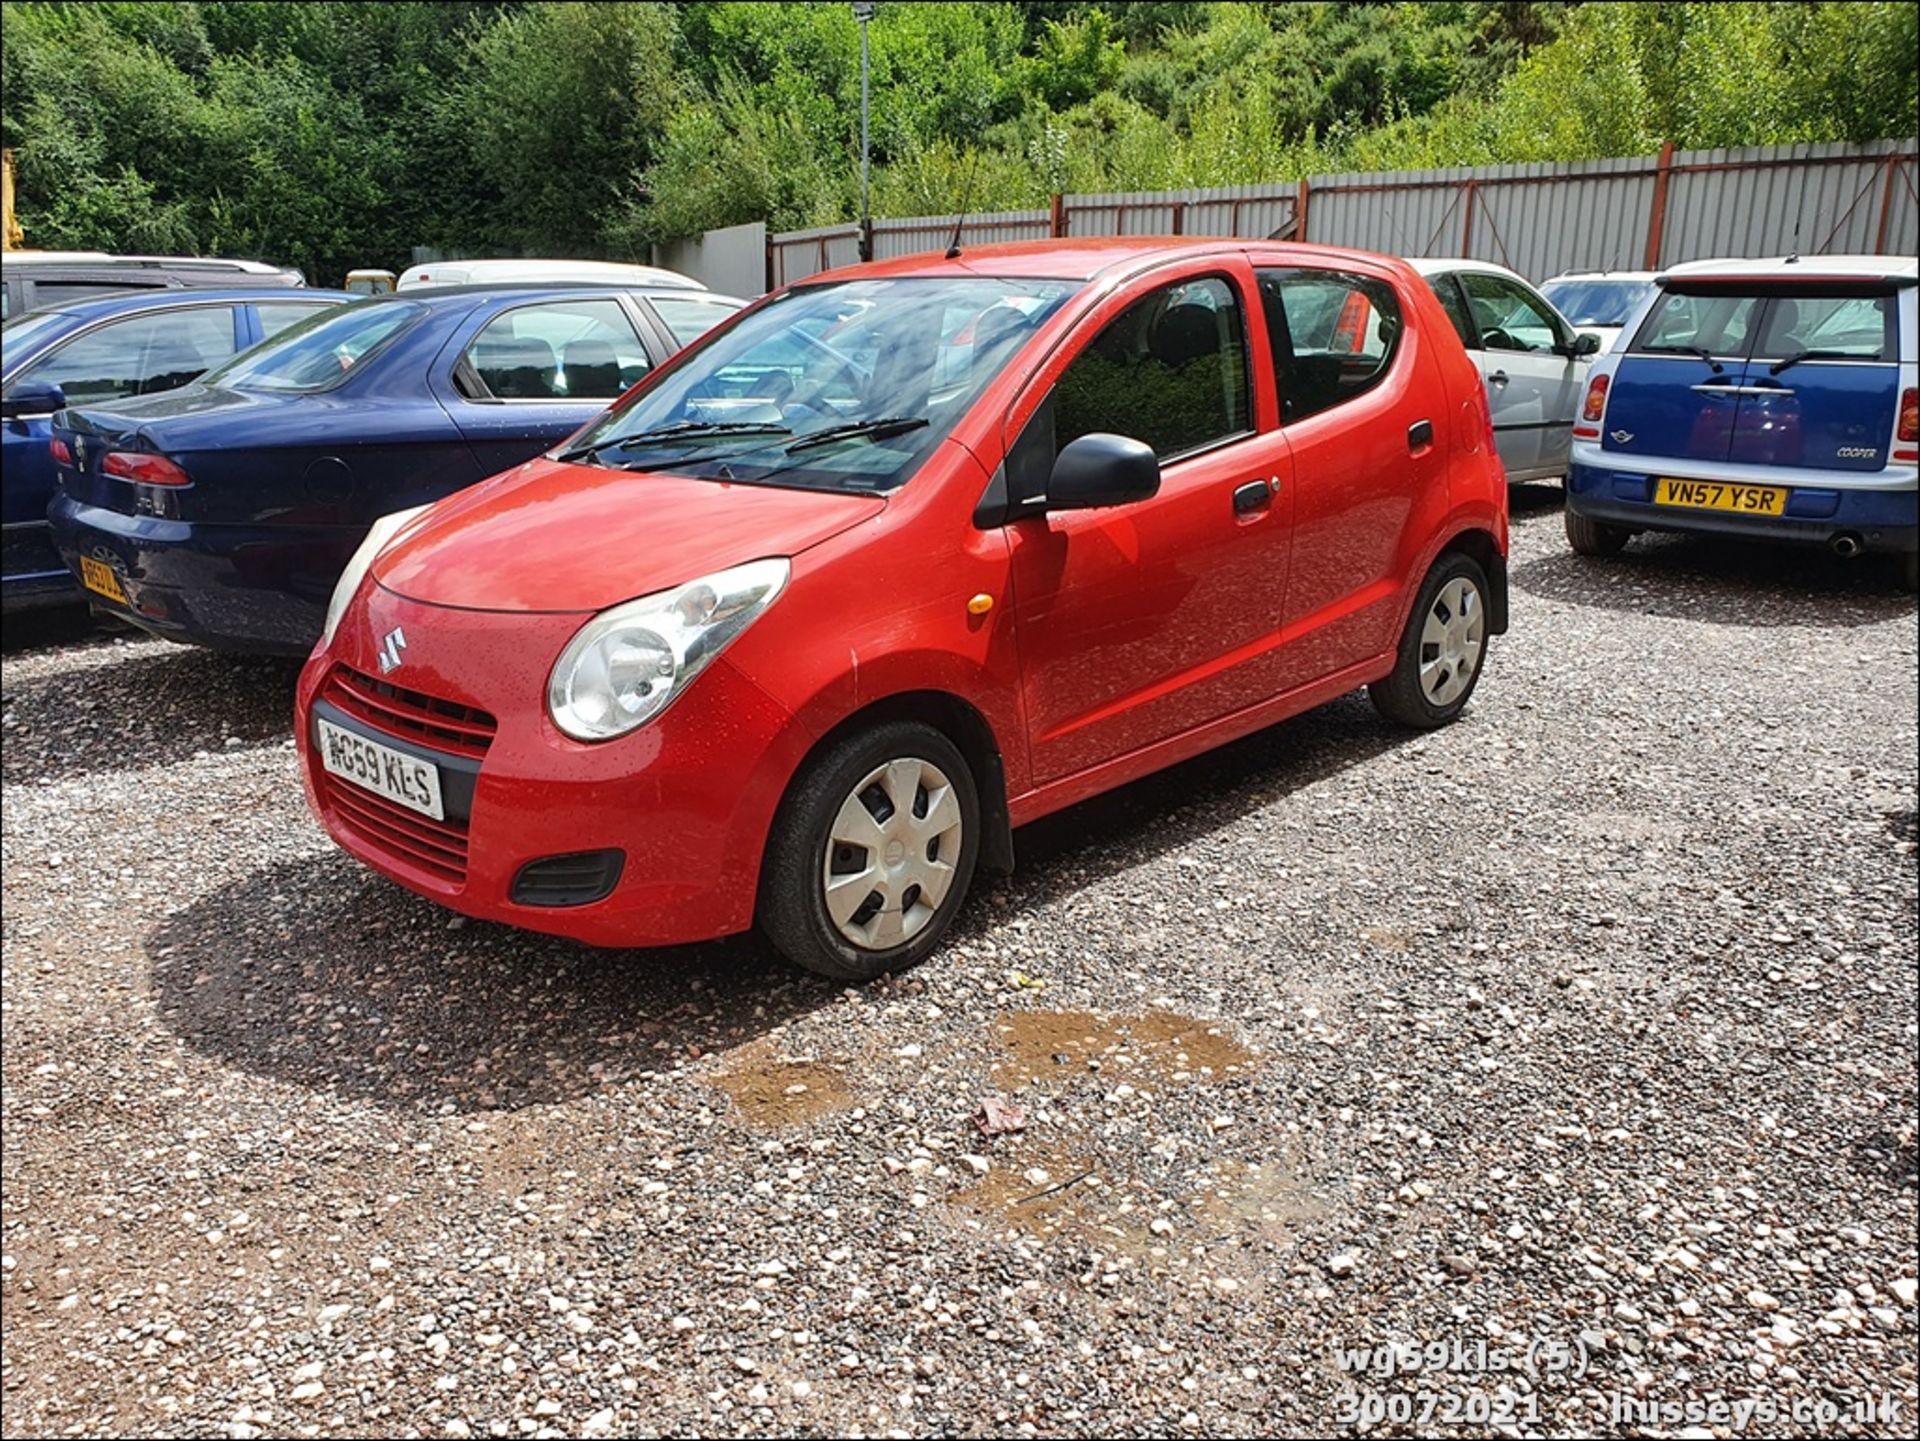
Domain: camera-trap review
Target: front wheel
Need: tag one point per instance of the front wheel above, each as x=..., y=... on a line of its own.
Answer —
x=1441, y=650
x=872, y=852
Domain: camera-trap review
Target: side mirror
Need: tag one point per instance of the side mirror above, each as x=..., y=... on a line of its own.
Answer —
x=1098, y=470
x=31, y=399
x=1581, y=346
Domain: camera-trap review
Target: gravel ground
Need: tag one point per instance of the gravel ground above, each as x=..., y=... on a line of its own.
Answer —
x=1583, y=1030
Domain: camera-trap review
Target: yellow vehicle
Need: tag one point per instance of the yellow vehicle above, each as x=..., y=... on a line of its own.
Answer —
x=370, y=282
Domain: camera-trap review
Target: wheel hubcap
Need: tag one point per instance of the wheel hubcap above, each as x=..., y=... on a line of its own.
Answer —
x=891, y=853
x=1451, y=641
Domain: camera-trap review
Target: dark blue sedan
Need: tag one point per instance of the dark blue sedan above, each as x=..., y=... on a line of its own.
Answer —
x=108, y=348
x=222, y=513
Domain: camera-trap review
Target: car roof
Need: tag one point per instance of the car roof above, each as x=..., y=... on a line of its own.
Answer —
x=1629, y=275
x=120, y=302
x=1072, y=259
x=1797, y=267
x=443, y=294
x=99, y=259
x=1449, y=264
x=536, y=271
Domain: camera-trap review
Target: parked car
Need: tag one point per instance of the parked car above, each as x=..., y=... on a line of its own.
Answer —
x=542, y=272
x=370, y=282
x=222, y=513
x=1774, y=399
x=809, y=665
x=1599, y=301
x=1533, y=361
x=107, y=348
x=36, y=279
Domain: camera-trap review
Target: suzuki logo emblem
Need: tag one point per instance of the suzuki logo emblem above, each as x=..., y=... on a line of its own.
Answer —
x=390, y=649
x=1620, y=437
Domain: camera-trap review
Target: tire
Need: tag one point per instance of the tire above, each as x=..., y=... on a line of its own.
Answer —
x=847, y=794
x=1443, y=649
x=1594, y=537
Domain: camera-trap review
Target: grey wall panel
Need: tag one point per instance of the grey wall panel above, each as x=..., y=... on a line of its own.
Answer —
x=1539, y=219
x=732, y=261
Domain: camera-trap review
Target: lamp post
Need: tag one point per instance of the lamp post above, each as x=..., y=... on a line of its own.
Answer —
x=863, y=12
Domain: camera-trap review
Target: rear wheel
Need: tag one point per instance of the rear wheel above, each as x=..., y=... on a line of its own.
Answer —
x=1441, y=650
x=1594, y=537
x=872, y=853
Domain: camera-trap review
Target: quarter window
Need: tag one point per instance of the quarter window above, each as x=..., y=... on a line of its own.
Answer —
x=140, y=355
x=277, y=316
x=689, y=319
x=569, y=350
x=1333, y=335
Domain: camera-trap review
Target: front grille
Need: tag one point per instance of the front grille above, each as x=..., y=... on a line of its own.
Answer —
x=447, y=725
x=437, y=847
x=570, y=880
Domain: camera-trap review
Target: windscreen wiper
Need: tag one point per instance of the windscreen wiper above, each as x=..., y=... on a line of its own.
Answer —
x=883, y=428
x=681, y=430
x=1699, y=350
x=1800, y=355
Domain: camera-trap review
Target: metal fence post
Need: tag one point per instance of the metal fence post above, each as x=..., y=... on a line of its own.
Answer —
x=1057, y=218
x=1894, y=163
x=1466, y=226
x=1657, y=221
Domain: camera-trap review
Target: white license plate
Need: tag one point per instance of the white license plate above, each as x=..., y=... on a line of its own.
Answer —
x=403, y=779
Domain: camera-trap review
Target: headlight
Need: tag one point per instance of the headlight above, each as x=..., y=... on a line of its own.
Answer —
x=627, y=664
x=384, y=530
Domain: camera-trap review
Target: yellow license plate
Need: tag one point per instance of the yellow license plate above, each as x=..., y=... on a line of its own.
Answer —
x=1721, y=495
x=97, y=575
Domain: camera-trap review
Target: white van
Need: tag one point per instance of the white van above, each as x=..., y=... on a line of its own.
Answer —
x=540, y=272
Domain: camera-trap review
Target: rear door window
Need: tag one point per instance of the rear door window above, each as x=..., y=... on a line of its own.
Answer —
x=140, y=355
x=1333, y=336
x=564, y=350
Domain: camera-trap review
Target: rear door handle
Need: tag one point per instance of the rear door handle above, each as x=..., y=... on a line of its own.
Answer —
x=1251, y=497
x=1419, y=435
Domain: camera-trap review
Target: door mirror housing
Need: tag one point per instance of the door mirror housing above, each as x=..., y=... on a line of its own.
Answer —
x=32, y=398
x=1101, y=470
x=1580, y=347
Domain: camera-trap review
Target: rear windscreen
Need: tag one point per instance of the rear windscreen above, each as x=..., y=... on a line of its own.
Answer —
x=1832, y=323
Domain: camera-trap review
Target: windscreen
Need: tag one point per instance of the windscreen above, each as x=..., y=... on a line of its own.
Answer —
x=1596, y=302
x=319, y=353
x=841, y=387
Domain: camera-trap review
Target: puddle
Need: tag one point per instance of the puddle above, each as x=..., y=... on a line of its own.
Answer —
x=1044, y=1191
x=1058, y=1046
x=771, y=1092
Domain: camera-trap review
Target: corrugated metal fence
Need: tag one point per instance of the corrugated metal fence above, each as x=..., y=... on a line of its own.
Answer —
x=1634, y=213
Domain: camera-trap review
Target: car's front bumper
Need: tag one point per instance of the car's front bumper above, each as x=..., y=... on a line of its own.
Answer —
x=1881, y=520
x=232, y=587
x=686, y=800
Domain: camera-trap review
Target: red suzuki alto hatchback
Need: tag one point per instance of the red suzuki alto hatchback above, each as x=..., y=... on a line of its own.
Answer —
x=895, y=561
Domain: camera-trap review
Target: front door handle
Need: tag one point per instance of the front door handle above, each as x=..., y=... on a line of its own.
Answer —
x=1499, y=377
x=1419, y=436
x=1251, y=497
